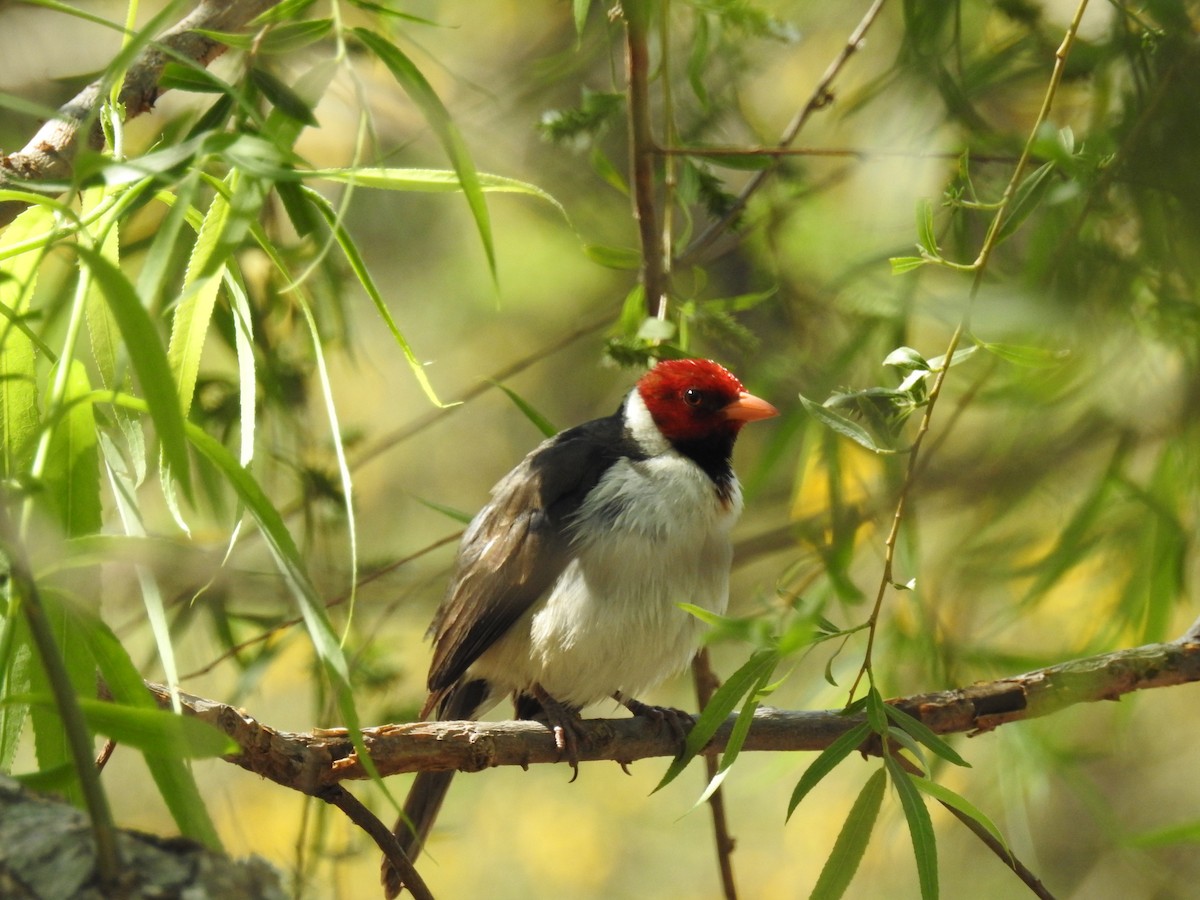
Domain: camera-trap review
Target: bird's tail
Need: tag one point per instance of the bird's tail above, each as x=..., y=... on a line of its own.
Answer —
x=424, y=801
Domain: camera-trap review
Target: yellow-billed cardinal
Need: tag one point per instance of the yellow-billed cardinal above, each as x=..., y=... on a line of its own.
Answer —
x=566, y=586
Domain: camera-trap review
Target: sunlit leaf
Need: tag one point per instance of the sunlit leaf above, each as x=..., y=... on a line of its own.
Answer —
x=851, y=843
x=410, y=78
x=826, y=762
x=920, y=828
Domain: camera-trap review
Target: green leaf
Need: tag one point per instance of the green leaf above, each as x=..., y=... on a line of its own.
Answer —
x=851, y=843
x=579, y=12
x=457, y=515
x=19, y=411
x=71, y=476
x=540, y=422
x=1026, y=356
x=151, y=729
x=419, y=90
x=623, y=258
x=920, y=828
x=826, y=762
x=902, y=264
x=359, y=267
x=1026, y=199
x=943, y=794
x=842, y=425
x=738, y=734
x=740, y=684
x=430, y=181
x=926, y=230
x=285, y=38
x=924, y=734
x=195, y=78
x=282, y=97
x=149, y=360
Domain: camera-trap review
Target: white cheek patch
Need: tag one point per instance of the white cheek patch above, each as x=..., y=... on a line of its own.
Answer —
x=641, y=426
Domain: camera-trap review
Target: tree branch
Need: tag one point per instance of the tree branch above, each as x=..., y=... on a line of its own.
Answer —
x=48, y=154
x=309, y=762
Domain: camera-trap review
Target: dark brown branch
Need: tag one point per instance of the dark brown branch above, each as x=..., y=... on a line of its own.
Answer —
x=308, y=762
x=338, y=796
x=707, y=684
x=641, y=155
x=48, y=155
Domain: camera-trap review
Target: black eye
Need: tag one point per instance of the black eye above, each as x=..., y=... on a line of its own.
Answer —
x=693, y=397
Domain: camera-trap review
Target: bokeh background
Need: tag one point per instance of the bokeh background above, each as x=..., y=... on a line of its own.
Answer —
x=1055, y=512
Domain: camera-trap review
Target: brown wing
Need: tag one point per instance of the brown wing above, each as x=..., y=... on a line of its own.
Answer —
x=518, y=545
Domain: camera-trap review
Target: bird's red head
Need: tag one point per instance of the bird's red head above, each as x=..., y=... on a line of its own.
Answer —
x=691, y=399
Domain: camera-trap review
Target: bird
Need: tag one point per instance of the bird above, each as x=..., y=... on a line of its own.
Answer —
x=566, y=586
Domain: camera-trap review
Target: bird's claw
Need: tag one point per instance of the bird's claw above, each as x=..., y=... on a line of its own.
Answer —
x=676, y=720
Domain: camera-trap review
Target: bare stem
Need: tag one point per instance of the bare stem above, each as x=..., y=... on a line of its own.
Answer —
x=641, y=154
x=979, y=268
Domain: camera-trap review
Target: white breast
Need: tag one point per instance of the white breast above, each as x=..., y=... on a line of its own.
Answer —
x=611, y=621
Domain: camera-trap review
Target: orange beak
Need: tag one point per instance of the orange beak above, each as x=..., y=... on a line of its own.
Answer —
x=748, y=408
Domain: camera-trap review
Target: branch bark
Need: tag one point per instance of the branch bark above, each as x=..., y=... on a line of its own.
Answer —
x=47, y=157
x=310, y=762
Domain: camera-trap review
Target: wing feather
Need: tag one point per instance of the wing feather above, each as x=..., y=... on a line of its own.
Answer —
x=519, y=543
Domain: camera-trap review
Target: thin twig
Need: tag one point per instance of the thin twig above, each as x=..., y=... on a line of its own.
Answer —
x=978, y=268
x=338, y=796
x=48, y=155
x=1002, y=853
x=819, y=99
x=641, y=154
x=707, y=683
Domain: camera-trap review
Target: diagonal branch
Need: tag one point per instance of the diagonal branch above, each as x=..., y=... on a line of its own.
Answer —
x=48, y=154
x=309, y=762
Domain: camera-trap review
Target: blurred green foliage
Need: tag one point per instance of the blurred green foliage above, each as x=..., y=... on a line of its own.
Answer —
x=366, y=213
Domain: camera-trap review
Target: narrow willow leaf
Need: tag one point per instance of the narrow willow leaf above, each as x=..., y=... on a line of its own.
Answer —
x=852, y=840
x=285, y=38
x=431, y=181
x=71, y=475
x=450, y=512
x=15, y=662
x=19, y=412
x=421, y=92
x=579, y=12
x=1028, y=357
x=826, y=762
x=926, y=232
x=621, y=258
x=51, y=746
x=842, y=425
x=924, y=734
x=1026, y=199
x=902, y=264
x=737, y=737
x=723, y=702
x=156, y=730
x=201, y=283
x=943, y=794
x=243, y=339
x=149, y=360
x=282, y=97
x=920, y=828
x=359, y=267
x=540, y=422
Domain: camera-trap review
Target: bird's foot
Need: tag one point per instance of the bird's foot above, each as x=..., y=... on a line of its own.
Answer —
x=566, y=724
x=678, y=721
